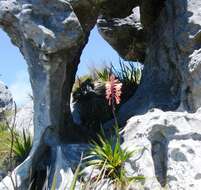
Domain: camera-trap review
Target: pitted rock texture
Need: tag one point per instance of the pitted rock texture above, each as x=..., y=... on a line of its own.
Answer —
x=126, y=35
x=51, y=37
x=166, y=39
x=164, y=35
x=169, y=144
x=6, y=100
x=49, y=26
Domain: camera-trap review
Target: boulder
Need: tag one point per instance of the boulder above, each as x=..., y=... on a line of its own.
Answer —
x=6, y=100
x=168, y=145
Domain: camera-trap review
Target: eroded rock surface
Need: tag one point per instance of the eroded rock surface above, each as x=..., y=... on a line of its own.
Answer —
x=164, y=35
x=6, y=100
x=126, y=35
x=51, y=38
x=169, y=144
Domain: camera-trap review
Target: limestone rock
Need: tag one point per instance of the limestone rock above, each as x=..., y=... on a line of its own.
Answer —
x=51, y=38
x=24, y=119
x=169, y=144
x=75, y=112
x=165, y=35
x=65, y=162
x=44, y=36
x=171, y=74
x=126, y=35
x=6, y=99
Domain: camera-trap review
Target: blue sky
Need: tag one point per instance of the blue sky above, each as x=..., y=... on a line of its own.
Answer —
x=13, y=69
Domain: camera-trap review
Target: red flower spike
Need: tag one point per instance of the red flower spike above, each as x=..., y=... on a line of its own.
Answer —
x=113, y=90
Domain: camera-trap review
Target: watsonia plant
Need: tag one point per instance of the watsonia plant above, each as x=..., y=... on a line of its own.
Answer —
x=107, y=154
x=113, y=94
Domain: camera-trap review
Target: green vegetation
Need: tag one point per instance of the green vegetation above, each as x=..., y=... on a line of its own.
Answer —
x=89, y=92
x=103, y=75
x=106, y=154
x=4, y=149
x=79, y=81
x=109, y=158
x=93, y=108
x=14, y=147
x=130, y=76
x=98, y=96
x=76, y=175
x=22, y=146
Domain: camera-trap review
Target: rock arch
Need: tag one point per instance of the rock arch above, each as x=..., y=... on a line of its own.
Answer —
x=51, y=38
x=51, y=35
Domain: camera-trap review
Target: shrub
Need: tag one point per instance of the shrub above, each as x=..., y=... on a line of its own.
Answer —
x=92, y=104
x=89, y=92
x=3, y=126
x=129, y=73
x=81, y=86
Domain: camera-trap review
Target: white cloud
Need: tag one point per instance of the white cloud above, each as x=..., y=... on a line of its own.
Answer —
x=21, y=88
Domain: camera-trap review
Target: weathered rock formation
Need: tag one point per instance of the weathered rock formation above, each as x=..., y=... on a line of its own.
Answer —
x=166, y=37
x=51, y=37
x=169, y=144
x=163, y=34
x=6, y=100
x=125, y=34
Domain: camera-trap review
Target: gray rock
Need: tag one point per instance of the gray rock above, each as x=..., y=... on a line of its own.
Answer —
x=51, y=38
x=6, y=100
x=126, y=35
x=25, y=114
x=24, y=119
x=171, y=38
x=2, y=175
x=65, y=162
x=165, y=35
x=75, y=111
x=169, y=149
